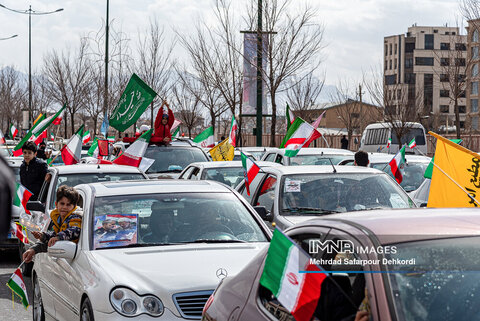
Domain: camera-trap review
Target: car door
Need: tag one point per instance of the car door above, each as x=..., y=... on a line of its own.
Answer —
x=67, y=297
x=265, y=195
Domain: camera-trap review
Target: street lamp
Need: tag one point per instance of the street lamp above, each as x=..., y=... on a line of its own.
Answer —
x=9, y=37
x=30, y=12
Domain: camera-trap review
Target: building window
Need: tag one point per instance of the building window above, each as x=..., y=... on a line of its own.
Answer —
x=461, y=78
x=462, y=109
x=408, y=62
x=390, y=47
x=444, y=93
x=423, y=61
x=444, y=109
x=391, y=110
x=395, y=63
x=460, y=62
x=462, y=94
x=410, y=78
x=390, y=64
x=395, y=48
x=475, y=52
x=386, y=50
x=444, y=78
x=474, y=105
x=460, y=46
x=386, y=64
x=429, y=42
x=390, y=79
x=475, y=36
x=475, y=122
x=444, y=46
x=409, y=46
x=475, y=88
x=462, y=124
x=475, y=70
x=444, y=61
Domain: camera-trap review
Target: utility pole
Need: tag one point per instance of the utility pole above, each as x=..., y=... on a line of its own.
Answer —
x=105, y=94
x=259, y=75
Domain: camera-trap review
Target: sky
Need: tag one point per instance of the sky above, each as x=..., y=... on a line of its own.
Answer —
x=354, y=29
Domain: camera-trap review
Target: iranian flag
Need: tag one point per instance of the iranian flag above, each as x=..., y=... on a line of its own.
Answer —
x=412, y=143
x=52, y=136
x=17, y=151
x=290, y=117
x=389, y=142
x=175, y=126
x=2, y=138
x=71, y=152
x=291, y=278
x=205, y=138
x=232, y=137
x=13, y=131
x=46, y=122
x=20, y=232
x=397, y=164
x=86, y=137
x=132, y=156
x=22, y=195
x=250, y=170
x=93, y=150
x=58, y=120
x=17, y=285
x=111, y=139
x=176, y=133
x=300, y=134
x=39, y=139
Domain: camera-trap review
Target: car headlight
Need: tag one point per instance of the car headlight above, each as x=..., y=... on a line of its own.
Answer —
x=129, y=303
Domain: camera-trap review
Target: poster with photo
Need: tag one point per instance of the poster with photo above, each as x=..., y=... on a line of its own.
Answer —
x=113, y=230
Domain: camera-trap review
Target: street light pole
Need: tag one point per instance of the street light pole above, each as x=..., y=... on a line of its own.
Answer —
x=9, y=37
x=105, y=97
x=259, y=75
x=30, y=12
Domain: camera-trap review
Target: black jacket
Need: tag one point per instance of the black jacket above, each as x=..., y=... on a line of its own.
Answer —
x=41, y=154
x=32, y=175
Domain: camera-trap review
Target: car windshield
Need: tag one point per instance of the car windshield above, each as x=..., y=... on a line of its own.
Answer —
x=231, y=176
x=411, y=133
x=316, y=159
x=87, y=178
x=329, y=193
x=172, y=159
x=164, y=219
x=412, y=174
x=442, y=284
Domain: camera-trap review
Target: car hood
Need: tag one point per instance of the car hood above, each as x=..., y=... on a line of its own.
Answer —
x=168, y=175
x=166, y=270
x=298, y=219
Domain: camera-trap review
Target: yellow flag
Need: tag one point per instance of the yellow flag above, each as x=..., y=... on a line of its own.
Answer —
x=224, y=151
x=38, y=118
x=459, y=181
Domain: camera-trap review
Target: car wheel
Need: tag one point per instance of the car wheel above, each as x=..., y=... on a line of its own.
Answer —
x=87, y=311
x=38, y=311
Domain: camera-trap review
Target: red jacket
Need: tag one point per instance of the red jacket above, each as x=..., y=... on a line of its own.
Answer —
x=162, y=131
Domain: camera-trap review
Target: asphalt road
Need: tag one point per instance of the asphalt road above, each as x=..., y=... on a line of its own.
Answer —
x=9, y=261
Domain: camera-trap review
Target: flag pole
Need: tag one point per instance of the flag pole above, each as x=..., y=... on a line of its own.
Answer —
x=441, y=170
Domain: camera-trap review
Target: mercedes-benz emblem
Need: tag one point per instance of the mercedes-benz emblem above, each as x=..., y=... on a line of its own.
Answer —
x=221, y=273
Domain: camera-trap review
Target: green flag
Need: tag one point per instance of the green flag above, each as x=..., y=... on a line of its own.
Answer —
x=43, y=125
x=429, y=170
x=133, y=102
x=17, y=151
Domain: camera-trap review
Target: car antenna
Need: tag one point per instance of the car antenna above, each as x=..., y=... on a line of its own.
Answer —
x=330, y=160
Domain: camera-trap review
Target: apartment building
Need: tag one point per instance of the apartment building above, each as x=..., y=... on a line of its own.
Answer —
x=420, y=68
x=472, y=73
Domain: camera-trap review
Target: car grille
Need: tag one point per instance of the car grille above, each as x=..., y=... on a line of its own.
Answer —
x=190, y=304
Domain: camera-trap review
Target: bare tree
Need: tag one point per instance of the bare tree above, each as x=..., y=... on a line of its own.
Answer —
x=68, y=75
x=11, y=94
x=155, y=63
x=398, y=102
x=186, y=107
x=41, y=98
x=294, y=45
x=303, y=95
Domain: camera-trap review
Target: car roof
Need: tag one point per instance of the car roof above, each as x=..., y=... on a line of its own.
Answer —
x=385, y=158
x=321, y=169
x=95, y=168
x=404, y=225
x=156, y=186
x=14, y=161
x=254, y=148
x=319, y=151
x=231, y=164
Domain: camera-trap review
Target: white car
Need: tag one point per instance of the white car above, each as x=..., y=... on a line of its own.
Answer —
x=182, y=239
x=309, y=156
x=11, y=241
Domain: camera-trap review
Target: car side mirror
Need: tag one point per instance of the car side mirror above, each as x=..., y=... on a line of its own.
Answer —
x=35, y=206
x=264, y=214
x=63, y=249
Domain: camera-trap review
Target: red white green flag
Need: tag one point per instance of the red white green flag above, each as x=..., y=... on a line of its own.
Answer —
x=22, y=195
x=132, y=156
x=86, y=137
x=2, y=138
x=300, y=134
x=232, y=137
x=52, y=136
x=412, y=143
x=205, y=138
x=291, y=278
x=17, y=285
x=71, y=152
x=290, y=117
x=111, y=139
x=58, y=120
x=389, y=142
x=397, y=164
x=13, y=131
x=45, y=123
x=250, y=170
x=20, y=232
x=39, y=139
x=17, y=150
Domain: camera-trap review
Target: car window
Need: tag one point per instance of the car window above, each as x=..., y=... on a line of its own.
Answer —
x=187, y=173
x=174, y=218
x=270, y=157
x=412, y=174
x=316, y=160
x=252, y=187
x=279, y=159
x=173, y=159
x=231, y=176
x=315, y=194
x=195, y=173
x=266, y=195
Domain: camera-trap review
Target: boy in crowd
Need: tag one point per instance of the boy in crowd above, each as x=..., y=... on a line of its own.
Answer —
x=65, y=224
x=33, y=171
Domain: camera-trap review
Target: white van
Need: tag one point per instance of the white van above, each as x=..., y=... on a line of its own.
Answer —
x=375, y=138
